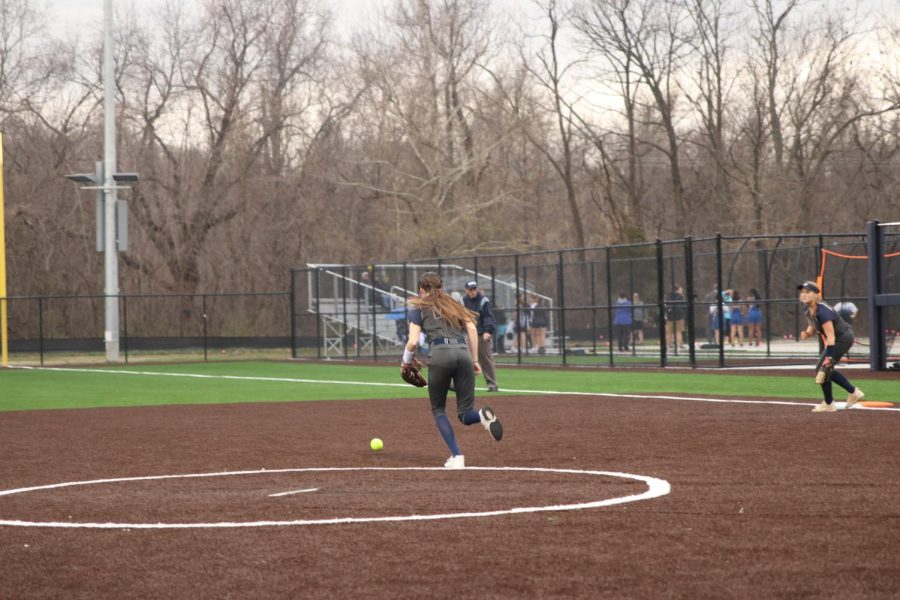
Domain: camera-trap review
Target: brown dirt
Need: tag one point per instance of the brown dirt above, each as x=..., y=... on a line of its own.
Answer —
x=766, y=502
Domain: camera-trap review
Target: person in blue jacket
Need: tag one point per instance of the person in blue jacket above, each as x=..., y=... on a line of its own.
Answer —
x=622, y=321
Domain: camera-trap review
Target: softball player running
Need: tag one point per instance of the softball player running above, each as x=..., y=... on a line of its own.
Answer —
x=450, y=329
x=838, y=337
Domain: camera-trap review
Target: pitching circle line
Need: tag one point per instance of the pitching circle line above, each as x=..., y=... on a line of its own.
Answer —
x=655, y=488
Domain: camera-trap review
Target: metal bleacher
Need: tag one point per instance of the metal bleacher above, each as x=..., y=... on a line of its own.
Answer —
x=355, y=313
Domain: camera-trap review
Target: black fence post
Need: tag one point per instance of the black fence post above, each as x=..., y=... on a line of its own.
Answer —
x=404, y=288
x=877, y=341
x=41, y=329
x=125, y=326
x=360, y=303
x=496, y=338
x=315, y=273
x=344, y=309
x=375, y=302
x=631, y=331
x=293, y=318
x=764, y=277
x=205, y=330
x=562, y=302
x=661, y=302
x=609, y=307
x=720, y=315
x=593, y=309
x=819, y=249
x=689, y=290
x=494, y=285
x=525, y=307
x=518, y=313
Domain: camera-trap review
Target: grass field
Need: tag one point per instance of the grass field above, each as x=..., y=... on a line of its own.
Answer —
x=242, y=480
x=225, y=383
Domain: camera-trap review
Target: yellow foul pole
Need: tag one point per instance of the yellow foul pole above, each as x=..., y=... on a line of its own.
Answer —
x=4, y=347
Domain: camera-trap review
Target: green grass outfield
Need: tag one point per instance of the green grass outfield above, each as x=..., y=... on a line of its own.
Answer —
x=224, y=383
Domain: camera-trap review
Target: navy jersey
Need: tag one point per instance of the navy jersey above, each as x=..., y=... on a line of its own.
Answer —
x=825, y=313
x=433, y=325
x=481, y=305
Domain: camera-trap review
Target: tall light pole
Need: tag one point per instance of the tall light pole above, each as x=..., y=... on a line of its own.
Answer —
x=111, y=259
x=112, y=215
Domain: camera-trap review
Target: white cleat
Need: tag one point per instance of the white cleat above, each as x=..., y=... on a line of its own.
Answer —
x=854, y=397
x=456, y=462
x=823, y=407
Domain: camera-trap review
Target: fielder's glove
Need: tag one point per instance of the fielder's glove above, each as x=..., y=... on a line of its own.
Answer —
x=824, y=373
x=411, y=373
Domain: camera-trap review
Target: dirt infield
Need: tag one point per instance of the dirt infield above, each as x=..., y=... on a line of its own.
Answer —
x=766, y=501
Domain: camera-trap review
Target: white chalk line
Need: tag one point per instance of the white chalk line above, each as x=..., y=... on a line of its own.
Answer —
x=655, y=488
x=840, y=405
x=278, y=495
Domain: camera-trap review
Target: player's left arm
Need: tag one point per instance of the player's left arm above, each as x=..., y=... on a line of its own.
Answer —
x=828, y=363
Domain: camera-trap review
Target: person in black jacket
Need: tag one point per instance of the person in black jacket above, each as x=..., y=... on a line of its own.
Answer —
x=479, y=303
x=676, y=311
x=539, y=323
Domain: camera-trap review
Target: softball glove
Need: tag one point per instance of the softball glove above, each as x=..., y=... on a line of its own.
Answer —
x=824, y=373
x=412, y=373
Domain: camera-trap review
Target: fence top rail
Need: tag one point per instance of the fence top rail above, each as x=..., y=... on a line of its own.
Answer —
x=615, y=259
x=439, y=262
x=155, y=295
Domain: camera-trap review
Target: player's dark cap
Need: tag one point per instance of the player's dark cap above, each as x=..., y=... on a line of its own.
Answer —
x=471, y=285
x=808, y=285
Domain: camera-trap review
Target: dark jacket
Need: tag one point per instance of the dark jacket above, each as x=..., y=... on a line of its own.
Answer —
x=676, y=306
x=482, y=306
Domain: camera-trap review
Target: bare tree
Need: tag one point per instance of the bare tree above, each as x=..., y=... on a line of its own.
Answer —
x=770, y=30
x=423, y=158
x=548, y=72
x=748, y=156
x=237, y=77
x=706, y=86
x=650, y=37
x=815, y=99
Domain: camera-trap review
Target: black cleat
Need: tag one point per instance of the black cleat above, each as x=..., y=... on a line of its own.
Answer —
x=491, y=422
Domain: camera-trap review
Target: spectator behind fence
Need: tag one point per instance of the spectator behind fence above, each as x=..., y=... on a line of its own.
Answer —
x=676, y=311
x=710, y=301
x=622, y=321
x=727, y=299
x=384, y=298
x=737, y=319
x=539, y=322
x=502, y=320
x=754, y=318
x=521, y=324
x=638, y=317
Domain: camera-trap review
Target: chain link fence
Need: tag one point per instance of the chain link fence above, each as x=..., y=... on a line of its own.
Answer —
x=708, y=302
x=606, y=306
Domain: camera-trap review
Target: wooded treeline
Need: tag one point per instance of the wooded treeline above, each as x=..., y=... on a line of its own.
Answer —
x=267, y=137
